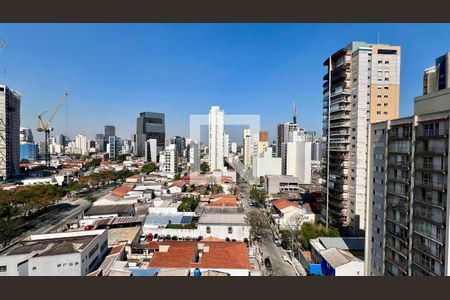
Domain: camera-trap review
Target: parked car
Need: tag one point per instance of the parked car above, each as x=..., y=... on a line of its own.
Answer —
x=268, y=263
x=277, y=240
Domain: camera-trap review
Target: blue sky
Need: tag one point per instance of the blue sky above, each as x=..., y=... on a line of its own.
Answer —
x=115, y=71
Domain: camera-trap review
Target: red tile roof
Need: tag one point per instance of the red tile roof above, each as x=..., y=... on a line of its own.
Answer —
x=122, y=191
x=281, y=204
x=216, y=196
x=224, y=202
x=221, y=255
x=178, y=183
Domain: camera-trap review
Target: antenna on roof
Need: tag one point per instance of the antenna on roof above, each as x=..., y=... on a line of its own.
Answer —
x=294, y=113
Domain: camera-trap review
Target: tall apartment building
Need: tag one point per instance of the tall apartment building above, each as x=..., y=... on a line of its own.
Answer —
x=263, y=142
x=151, y=151
x=194, y=156
x=113, y=147
x=361, y=86
x=26, y=135
x=216, y=138
x=9, y=132
x=150, y=125
x=226, y=145
x=168, y=159
x=284, y=135
x=110, y=130
x=296, y=161
x=100, y=142
x=81, y=144
x=247, y=147
x=408, y=196
x=180, y=145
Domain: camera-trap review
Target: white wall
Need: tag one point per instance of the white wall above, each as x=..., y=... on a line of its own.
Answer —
x=353, y=268
x=239, y=233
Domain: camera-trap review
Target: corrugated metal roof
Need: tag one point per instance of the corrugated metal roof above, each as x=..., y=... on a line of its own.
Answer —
x=343, y=243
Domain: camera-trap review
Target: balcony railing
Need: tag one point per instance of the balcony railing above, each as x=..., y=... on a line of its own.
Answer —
x=399, y=149
x=399, y=164
x=440, y=185
x=399, y=135
x=439, y=132
x=340, y=117
x=340, y=124
x=397, y=246
x=433, y=149
x=437, y=167
x=401, y=178
x=402, y=193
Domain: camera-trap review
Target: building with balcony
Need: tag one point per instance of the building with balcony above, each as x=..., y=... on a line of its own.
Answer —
x=361, y=86
x=408, y=199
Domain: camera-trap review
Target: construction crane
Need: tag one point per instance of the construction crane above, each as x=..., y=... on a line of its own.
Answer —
x=45, y=127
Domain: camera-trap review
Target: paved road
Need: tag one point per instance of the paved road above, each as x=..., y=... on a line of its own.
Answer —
x=57, y=216
x=279, y=266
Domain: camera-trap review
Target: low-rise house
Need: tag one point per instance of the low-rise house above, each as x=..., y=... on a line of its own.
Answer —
x=138, y=178
x=57, y=254
x=226, y=223
x=337, y=262
x=230, y=258
x=291, y=214
x=108, y=211
x=354, y=245
x=177, y=186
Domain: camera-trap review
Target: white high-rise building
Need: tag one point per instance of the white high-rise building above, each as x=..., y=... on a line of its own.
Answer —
x=226, y=145
x=298, y=157
x=216, y=138
x=234, y=148
x=265, y=164
x=151, y=146
x=247, y=147
x=82, y=144
x=168, y=159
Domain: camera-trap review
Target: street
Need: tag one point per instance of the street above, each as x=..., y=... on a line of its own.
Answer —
x=266, y=245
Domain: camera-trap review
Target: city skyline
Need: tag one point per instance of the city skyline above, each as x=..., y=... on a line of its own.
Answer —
x=243, y=68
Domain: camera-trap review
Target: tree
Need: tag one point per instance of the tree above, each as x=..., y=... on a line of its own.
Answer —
x=149, y=168
x=188, y=204
x=258, y=196
x=204, y=168
x=234, y=190
x=177, y=177
x=310, y=231
x=24, y=161
x=256, y=220
x=215, y=188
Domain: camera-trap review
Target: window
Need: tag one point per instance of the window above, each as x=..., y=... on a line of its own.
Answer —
x=378, y=104
x=59, y=266
x=386, y=79
x=378, y=112
x=104, y=245
x=208, y=229
x=71, y=264
x=76, y=263
x=386, y=62
x=378, y=96
x=3, y=268
x=385, y=104
x=380, y=62
x=34, y=268
x=385, y=96
x=385, y=112
x=386, y=87
x=93, y=251
x=230, y=230
x=379, y=87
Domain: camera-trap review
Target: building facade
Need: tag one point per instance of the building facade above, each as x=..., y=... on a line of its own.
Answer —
x=168, y=159
x=216, y=138
x=408, y=200
x=361, y=86
x=29, y=151
x=150, y=125
x=9, y=132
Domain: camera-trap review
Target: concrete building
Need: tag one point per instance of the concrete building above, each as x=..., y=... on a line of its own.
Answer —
x=265, y=164
x=226, y=145
x=275, y=184
x=234, y=148
x=224, y=223
x=26, y=135
x=110, y=130
x=216, y=138
x=180, y=145
x=100, y=142
x=408, y=195
x=284, y=135
x=296, y=157
x=263, y=142
x=81, y=144
x=56, y=254
x=361, y=86
x=316, y=150
x=113, y=146
x=168, y=159
x=247, y=149
x=194, y=156
x=9, y=132
x=150, y=125
x=151, y=150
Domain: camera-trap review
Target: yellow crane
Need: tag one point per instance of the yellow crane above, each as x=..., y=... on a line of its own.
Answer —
x=45, y=127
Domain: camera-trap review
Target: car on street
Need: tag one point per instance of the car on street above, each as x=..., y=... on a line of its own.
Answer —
x=276, y=240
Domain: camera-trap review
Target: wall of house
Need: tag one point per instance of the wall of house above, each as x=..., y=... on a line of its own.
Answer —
x=239, y=232
x=353, y=268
